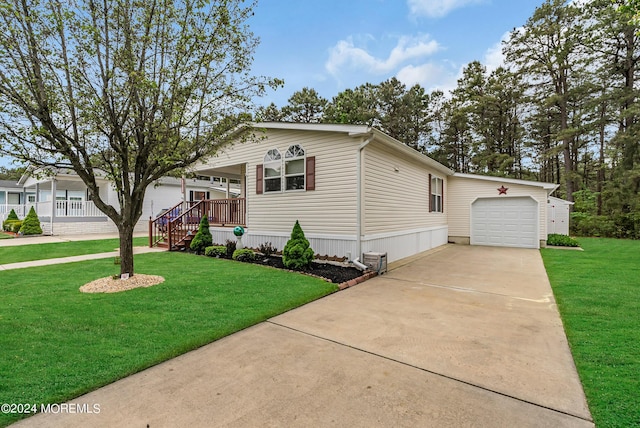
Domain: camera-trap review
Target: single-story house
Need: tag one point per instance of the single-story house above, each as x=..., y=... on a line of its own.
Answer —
x=355, y=189
x=73, y=211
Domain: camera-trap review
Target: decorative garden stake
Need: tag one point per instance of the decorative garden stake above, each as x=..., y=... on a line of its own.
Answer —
x=239, y=231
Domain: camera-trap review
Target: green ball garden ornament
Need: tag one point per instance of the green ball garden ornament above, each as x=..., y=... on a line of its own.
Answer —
x=238, y=230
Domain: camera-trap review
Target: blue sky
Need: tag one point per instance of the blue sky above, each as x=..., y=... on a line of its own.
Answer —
x=333, y=45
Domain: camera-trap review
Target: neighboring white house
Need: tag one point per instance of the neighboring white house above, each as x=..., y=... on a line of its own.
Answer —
x=355, y=189
x=12, y=197
x=73, y=212
x=558, y=212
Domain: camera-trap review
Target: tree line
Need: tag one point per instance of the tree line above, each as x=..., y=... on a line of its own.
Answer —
x=563, y=108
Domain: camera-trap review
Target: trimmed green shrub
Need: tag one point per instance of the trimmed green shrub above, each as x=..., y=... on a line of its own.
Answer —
x=203, y=238
x=244, y=255
x=14, y=226
x=216, y=251
x=31, y=224
x=561, y=240
x=297, y=254
x=7, y=223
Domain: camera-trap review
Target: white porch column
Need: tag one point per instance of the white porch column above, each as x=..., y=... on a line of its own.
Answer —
x=37, y=197
x=54, y=190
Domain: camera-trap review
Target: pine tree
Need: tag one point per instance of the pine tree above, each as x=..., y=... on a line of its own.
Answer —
x=297, y=254
x=203, y=238
x=31, y=224
x=12, y=215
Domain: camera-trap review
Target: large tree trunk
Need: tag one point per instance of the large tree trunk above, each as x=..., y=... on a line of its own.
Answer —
x=125, y=231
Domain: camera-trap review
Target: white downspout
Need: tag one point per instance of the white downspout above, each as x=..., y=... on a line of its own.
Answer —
x=359, y=199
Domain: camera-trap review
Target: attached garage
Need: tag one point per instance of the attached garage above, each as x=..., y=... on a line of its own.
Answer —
x=505, y=222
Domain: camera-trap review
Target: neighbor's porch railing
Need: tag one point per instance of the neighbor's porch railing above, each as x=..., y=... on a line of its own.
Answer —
x=5, y=209
x=63, y=209
x=77, y=209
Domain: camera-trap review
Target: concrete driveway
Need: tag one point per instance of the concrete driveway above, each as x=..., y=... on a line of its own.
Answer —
x=459, y=336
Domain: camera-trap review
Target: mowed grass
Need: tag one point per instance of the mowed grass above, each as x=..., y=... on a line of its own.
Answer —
x=25, y=253
x=57, y=343
x=598, y=295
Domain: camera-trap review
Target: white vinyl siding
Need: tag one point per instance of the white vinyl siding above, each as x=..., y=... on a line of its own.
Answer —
x=329, y=209
x=396, y=193
x=460, y=192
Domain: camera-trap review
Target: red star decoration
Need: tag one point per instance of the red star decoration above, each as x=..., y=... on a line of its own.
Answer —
x=502, y=190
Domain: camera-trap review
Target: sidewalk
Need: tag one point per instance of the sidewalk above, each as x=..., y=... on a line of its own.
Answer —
x=48, y=239
x=71, y=259
x=47, y=262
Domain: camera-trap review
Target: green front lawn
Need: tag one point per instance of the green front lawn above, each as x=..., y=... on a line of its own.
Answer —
x=598, y=295
x=25, y=253
x=57, y=343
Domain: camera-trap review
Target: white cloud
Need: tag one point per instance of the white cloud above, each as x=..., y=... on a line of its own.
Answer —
x=436, y=8
x=493, y=57
x=425, y=75
x=430, y=76
x=345, y=55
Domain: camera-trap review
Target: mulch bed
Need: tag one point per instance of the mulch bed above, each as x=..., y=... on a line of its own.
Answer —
x=333, y=272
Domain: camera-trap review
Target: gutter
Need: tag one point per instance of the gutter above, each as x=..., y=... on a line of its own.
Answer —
x=359, y=197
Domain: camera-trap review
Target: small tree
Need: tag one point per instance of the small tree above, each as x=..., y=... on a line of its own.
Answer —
x=203, y=238
x=12, y=215
x=297, y=254
x=31, y=224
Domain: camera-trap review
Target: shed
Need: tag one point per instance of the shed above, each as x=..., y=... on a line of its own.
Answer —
x=558, y=215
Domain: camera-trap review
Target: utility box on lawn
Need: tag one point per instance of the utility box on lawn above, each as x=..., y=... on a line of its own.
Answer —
x=376, y=261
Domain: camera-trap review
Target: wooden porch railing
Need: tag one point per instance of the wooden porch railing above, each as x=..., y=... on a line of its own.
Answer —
x=159, y=226
x=175, y=226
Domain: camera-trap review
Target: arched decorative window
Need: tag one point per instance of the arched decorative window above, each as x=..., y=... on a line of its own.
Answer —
x=272, y=171
x=294, y=168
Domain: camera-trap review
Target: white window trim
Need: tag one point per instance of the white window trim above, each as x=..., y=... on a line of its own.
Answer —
x=264, y=170
x=294, y=157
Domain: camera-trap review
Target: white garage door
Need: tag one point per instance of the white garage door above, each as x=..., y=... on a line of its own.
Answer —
x=505, y=222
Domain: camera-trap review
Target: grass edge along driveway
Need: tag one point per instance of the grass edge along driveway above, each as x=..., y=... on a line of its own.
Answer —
x=57, y=343
x=598, y=295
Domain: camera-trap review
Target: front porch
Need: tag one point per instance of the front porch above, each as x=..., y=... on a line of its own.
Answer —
x=176, y=227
